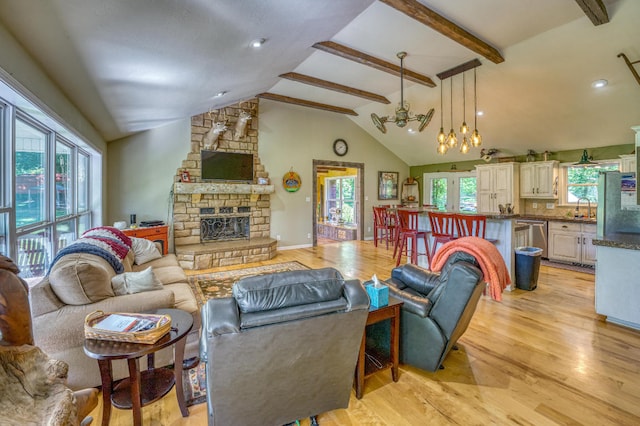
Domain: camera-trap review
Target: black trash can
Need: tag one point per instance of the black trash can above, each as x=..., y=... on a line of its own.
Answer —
x=527, y=267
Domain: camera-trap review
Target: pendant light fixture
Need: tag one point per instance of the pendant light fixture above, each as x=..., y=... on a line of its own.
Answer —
x=469, y=139
x=476, y=139
x=442, y=137
x=452, y=139
x=464, y=129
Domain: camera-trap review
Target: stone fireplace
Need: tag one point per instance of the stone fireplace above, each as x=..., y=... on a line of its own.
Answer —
x=221, y=223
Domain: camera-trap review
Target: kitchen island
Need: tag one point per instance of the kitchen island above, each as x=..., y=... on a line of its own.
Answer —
x=617, y=290
x=501, y=228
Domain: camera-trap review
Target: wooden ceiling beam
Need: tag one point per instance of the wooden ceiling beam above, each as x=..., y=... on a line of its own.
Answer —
x=305, y=103
x=324, y=84
x=428, y=17
x=595, y=10
x=371, y=61
x=458, y=69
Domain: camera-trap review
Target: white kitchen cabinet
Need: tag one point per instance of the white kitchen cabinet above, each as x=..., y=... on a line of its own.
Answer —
x=627, y=163
x=497, y=184
x=572, y=242
x=539, y=179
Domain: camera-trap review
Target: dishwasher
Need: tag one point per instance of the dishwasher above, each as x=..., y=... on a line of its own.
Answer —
x=537, y=233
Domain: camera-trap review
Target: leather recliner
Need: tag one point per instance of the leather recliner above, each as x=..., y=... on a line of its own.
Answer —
x=437, y=308
x=283, y=347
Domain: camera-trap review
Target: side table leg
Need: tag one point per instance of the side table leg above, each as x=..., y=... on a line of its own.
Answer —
x=136, y=404
x=360, y=368
x=177, y=371
x=395, y=342
x=107, y=385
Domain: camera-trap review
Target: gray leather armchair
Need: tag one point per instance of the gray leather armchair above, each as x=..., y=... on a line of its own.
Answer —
x=283, y=347
x=437, y=308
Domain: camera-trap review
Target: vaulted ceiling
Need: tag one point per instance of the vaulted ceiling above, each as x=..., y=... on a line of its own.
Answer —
x=134, y=65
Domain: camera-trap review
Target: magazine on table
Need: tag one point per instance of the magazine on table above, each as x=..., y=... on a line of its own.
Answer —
x=126, y=323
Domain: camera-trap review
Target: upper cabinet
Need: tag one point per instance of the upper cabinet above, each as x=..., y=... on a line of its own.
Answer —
x=627, y=163
x=497, y=184
x=539, y=179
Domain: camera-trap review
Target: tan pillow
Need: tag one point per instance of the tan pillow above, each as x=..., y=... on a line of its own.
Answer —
x=135, y=282
x=81, y=278
x=144, y=250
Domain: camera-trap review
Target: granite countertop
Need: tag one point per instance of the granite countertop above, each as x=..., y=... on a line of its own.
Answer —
x=622, y=240
x=558, y=218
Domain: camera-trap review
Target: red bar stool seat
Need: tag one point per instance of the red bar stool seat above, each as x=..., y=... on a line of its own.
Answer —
x=472, y=225
x=442, y=228
x=384, y=226
x=409, y=230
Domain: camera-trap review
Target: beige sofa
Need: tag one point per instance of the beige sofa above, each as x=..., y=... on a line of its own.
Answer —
x=84, y=280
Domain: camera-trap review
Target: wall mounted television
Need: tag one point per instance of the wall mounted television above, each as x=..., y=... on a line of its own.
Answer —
x=227, y=166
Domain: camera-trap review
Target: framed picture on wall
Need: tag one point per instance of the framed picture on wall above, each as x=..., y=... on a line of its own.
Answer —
x=387, y=185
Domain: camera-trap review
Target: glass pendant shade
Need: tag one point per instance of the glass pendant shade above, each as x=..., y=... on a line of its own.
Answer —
x=464, y=129
x=452, y=139
x=464, y=148
x=476, y=139
x=442, y=148
x=442, y=136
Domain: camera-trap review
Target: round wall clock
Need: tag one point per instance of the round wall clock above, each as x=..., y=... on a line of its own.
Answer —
x=340, y=147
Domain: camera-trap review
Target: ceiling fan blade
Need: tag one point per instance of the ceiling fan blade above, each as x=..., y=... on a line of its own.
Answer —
x=379, y=122
x=425, y=119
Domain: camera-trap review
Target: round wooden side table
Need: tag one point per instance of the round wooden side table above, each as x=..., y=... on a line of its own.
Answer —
x=141, y=388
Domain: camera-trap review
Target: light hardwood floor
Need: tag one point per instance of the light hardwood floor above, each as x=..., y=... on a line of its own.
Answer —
x=537, y=358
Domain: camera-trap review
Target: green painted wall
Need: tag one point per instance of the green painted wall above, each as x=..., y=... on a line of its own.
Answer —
x=602, y=153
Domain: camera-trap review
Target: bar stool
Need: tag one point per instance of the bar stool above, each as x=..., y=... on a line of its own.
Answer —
x=442, y=228
x=409, y=229
x=384, y=226
x=472, y=225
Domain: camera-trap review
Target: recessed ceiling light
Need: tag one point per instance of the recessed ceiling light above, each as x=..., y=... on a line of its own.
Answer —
x=410, y=130
x=480, y=113
x=599, y=83
x=220, y=94
x=257, y=42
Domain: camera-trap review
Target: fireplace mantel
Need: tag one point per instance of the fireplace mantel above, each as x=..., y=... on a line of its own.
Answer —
x=221, y=188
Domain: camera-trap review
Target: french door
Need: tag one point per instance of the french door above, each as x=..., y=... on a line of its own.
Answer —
x=451, y=191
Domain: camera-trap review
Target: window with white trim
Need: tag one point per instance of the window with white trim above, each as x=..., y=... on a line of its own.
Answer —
x=581, y=182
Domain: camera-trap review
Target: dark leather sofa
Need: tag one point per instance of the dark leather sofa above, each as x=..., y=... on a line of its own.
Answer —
x=283, y=347
x=437, y=308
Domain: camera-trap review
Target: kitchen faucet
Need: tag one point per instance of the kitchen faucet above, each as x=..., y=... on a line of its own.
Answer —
x=588, y=207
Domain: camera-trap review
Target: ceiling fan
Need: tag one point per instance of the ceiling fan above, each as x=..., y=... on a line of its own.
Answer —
x=403, y=115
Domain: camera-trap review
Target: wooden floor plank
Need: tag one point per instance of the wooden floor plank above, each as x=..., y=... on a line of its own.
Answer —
x=541, y=357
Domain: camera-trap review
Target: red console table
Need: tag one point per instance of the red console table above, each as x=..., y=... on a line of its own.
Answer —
x=152, y=233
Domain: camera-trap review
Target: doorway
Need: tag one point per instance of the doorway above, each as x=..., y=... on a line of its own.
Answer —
x=338, y=210
x=451, y=191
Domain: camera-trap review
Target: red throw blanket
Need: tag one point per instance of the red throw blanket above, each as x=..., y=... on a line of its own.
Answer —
x=488, y=257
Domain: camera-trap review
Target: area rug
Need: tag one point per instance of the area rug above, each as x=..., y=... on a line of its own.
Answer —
x=214, y=285
x=570, y=267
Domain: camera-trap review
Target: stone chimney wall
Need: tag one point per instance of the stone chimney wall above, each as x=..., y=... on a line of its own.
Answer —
x=186, y=207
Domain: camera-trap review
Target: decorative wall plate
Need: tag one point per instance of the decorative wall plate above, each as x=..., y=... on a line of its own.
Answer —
x=291, y=181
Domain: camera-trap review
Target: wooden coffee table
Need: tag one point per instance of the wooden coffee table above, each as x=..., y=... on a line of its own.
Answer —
x=146, y=387
x=365, y=367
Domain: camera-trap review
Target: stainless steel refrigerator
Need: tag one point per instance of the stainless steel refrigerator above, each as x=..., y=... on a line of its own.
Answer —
x=618, y=210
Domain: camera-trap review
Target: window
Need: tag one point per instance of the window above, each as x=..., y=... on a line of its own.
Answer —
x=340, y=199
x=45, y=185
x=582, y=181
x=64, y=173
x=31, y=171
x=452, y=191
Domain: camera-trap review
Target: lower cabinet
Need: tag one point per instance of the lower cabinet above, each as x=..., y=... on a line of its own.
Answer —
x=572, y=242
